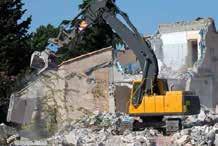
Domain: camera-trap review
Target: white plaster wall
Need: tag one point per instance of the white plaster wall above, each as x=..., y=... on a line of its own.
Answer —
x=175, y=47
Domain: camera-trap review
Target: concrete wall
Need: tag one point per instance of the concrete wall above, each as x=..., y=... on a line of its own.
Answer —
x=176, y=56
x=204, y=87
x=210, y=64
x=126, y=57
x=176, y=49
x=80, y=86
x=122, y=95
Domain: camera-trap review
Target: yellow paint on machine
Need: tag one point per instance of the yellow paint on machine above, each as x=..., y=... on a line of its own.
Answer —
x=171, y=102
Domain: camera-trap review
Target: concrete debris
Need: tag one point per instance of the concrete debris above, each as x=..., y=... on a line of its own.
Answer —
x=28, y=142
x=108, y=129
x=206, y=117
x=199, y=129
x=5, y=132
x=102, y=129
x=13, y=138
x=198, y=135
x=168, y=72
x=183, y=139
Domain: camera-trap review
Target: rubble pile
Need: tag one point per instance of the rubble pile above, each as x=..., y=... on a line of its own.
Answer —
x=197, y=135
x=5, y=133
x=107, y=129
x=169, y=73
x=205, y=117
x=199, y=129
x=103, y=129
x=165, y=71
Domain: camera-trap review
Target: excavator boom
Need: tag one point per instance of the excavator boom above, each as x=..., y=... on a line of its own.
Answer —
x=106, y=11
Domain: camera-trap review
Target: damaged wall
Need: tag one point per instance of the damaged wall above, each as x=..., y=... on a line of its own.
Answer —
x=91, y=95
x=78, y=87
x=189, y=51
x=182, y=43
x=93, y=82
x=122, y=94
x=187, y=56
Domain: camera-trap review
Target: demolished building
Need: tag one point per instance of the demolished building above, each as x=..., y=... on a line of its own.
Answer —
x=101, y=80
x=55, y=98
x=187, y=51
x=187, y=56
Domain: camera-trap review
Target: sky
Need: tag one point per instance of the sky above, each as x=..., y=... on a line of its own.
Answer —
x=146, y=15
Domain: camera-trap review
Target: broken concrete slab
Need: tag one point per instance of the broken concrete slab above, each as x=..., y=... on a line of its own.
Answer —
x=5, y=133
x=21, y=106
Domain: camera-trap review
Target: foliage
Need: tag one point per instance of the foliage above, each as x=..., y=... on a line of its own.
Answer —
x=96, y=37
x=17, y=45
x=41, y=36
x=84, y=4
x=14, y=47
x=100, y=35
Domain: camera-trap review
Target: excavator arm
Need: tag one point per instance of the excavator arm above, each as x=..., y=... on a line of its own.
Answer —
x=141, y=49
x=98, y=11
x=68, y=32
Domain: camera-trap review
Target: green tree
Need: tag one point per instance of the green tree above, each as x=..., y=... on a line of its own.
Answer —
x=84, y=4
x=14, y=48
x=41, y=36
x=98, y=36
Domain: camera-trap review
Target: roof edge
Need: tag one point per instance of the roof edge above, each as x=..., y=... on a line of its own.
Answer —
x=85, y=55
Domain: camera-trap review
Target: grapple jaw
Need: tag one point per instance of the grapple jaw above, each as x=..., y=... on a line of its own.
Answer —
x=36, y=61
x=43, y=60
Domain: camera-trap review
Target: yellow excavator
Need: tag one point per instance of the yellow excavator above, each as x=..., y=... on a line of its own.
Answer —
x=150, y=98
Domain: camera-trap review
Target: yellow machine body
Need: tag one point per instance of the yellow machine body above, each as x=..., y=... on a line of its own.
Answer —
x=170, y=103
x=165, y=103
